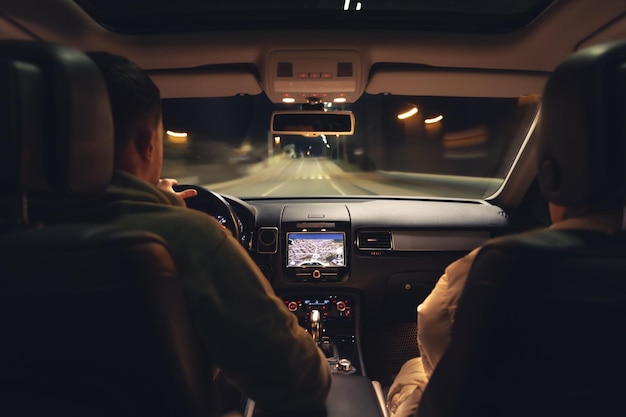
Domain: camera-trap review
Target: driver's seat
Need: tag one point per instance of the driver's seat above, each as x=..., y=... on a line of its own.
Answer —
x=92, y=317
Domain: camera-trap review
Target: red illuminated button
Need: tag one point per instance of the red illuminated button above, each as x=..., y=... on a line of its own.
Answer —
x=292, y=306
x=316, y=274
x=341, y=306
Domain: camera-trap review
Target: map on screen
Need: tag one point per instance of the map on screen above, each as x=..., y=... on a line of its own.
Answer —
x=315, y=249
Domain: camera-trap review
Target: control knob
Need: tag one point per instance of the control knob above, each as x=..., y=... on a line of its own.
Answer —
x=344, y=365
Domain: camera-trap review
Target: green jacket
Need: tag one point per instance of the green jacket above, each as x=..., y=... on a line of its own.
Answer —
x=254, y=340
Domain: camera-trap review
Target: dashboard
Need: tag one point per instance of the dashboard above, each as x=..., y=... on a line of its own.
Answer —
x=363, y=263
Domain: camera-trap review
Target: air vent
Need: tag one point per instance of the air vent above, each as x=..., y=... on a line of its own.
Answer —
x=374, y=240
x=268, y=240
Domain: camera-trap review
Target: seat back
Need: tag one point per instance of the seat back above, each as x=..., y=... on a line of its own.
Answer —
x=94, y=322
x=93, y=317
x=539, y=329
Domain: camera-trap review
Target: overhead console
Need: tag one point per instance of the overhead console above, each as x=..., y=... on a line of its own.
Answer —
x=315, y=241
x=300, y=76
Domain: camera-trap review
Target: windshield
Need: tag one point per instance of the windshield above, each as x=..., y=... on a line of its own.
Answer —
x=402, y=146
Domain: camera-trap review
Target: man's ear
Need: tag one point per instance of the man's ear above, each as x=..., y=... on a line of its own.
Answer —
x=144, y=143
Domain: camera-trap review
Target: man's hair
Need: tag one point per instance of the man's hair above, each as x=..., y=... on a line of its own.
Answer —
x=134, y=96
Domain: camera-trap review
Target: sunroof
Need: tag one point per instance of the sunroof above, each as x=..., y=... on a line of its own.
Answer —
x=152, y=16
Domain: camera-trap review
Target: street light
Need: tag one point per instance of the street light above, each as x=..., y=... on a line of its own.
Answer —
x=176, y=137
x=434, y=119
x=412, y=112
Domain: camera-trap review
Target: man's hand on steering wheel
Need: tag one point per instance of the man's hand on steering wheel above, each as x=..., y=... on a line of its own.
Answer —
x=211, y=203
x=167, y=184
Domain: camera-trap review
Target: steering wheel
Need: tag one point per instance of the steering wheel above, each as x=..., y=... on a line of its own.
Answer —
x=214, y=205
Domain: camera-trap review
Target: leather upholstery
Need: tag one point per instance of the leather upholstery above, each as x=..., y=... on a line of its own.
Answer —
x=55, y=106
x=93, y=319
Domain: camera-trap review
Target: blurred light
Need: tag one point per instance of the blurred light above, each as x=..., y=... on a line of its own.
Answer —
x=339, y=100
x=177, y=134
x=176, y=137
x=277, y=139
x=434, y=119
x=289, y=100
x=358, y=5
x=408, y=114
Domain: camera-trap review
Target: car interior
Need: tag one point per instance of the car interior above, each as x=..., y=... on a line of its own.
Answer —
x=354, y=149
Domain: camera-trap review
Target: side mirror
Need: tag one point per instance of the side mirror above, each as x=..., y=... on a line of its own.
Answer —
x=312, y=123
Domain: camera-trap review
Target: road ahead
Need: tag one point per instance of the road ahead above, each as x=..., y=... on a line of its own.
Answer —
x=322, y=177
x=293, y=177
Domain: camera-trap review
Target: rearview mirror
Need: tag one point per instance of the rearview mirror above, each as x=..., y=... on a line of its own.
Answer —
x=313, y=123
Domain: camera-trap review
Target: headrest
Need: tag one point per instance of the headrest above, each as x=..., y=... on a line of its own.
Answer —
x=582, y=155
x=56, y=121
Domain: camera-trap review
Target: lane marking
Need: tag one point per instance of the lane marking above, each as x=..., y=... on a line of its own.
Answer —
x=303, y=178
x=319, y=166
x=332, y=184
x=273, y=189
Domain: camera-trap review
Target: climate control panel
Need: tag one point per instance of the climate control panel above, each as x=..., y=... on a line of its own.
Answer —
x=330, y=306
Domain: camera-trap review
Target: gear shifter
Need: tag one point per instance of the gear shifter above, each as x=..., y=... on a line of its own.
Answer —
x=316, y=326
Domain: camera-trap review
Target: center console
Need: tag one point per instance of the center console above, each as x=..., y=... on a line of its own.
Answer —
x=330, y=318
x=313, y=246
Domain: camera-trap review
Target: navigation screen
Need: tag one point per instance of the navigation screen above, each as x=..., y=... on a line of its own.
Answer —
x=315, y=250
